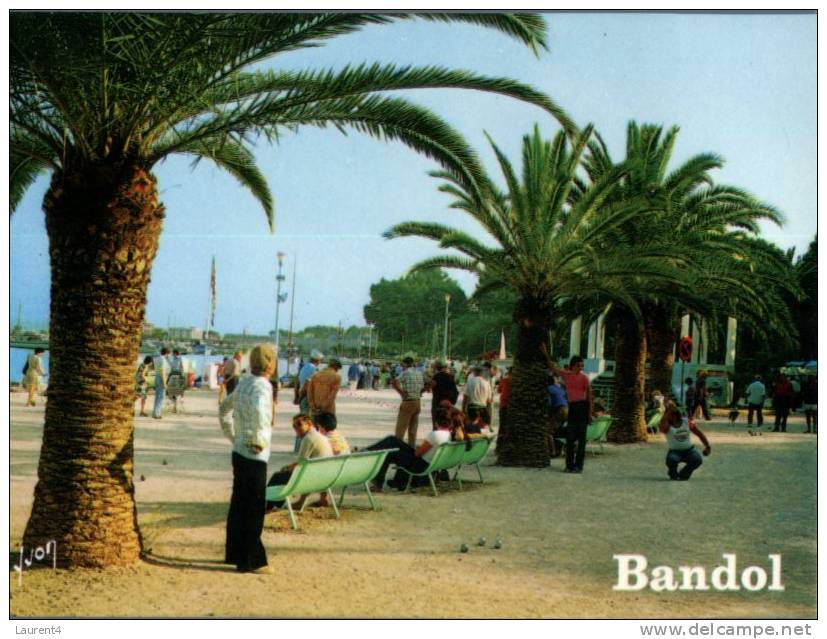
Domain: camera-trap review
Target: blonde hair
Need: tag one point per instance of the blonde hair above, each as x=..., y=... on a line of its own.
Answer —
x=262, y=357
x=300, y=419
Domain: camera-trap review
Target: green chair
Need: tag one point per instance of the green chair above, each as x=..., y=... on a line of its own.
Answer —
x=596, y=431
x=447, y=456
x=311, y=476
x=360, y=469
x=654, y=422
x=473, y=457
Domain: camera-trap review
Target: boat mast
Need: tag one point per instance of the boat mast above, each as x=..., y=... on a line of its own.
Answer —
x=290, y=327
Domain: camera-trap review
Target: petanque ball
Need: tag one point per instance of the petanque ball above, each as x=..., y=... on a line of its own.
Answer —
x=164, y=462
x=143, y=478
x=463, y=548
x=498, y=544
x=481, y=541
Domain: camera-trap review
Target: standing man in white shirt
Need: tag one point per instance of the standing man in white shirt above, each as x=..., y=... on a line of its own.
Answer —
x=756, y=393
x=478, y=392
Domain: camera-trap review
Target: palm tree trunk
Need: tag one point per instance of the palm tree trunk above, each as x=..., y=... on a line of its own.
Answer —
x=660, y=343
x=103, y=228
x=526, y=443
x=629, y=423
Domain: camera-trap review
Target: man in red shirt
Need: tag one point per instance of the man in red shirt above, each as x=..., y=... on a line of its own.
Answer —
x=579, y=393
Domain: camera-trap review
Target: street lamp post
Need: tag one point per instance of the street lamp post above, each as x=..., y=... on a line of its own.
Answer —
x=279, y=298
x=445, y=336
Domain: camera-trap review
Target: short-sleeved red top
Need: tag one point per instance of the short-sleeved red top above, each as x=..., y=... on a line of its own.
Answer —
x=577, y=385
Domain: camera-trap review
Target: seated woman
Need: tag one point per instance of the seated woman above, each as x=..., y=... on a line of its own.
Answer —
x=599, y=407
x=413, y=459
x=474, y=426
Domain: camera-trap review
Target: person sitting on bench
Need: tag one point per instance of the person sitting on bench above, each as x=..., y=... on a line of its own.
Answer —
x=313, y=444
x=414, y=459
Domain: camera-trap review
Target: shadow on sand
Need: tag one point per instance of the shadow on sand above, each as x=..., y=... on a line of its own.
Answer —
x=183, y=514
x=212, y=565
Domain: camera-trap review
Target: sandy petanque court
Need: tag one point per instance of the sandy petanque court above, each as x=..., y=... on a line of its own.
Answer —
x=753, y=497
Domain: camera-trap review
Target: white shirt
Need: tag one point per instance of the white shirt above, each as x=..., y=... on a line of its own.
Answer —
x=756, y=393
x=679, y=437
x=478, y=391
x=252, y=407
x=436, y=438
x=161, y=369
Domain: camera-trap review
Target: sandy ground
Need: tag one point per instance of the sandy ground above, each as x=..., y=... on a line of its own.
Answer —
x=754, y=496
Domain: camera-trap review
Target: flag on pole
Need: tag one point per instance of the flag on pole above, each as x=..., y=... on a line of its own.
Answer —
x=212, y=294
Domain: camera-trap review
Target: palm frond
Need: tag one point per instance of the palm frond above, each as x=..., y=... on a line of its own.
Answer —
x=446, y=261
x=418, y=229
x=237, y=160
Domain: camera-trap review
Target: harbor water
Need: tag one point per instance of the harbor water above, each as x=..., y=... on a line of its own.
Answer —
x=192, y=363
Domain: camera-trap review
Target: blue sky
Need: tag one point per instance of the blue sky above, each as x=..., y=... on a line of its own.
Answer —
x=742, y=86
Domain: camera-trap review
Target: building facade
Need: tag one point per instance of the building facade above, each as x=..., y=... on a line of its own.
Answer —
x=713, y=351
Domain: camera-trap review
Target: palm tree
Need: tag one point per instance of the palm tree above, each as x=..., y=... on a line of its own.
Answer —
x=543, y=249
x=710, y=231
x=97, y=99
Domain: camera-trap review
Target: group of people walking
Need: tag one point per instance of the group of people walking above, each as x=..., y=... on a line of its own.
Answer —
x=170, y=380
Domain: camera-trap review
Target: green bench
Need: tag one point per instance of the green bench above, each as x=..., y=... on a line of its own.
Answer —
x=595, y=433
x=323, y=474
x=653, y=424
x=473, y=457
x=453, y=455
x=445, y=457
x=359, y=469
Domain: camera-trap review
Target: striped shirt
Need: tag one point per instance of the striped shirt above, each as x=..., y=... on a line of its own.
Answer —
x=251, y=404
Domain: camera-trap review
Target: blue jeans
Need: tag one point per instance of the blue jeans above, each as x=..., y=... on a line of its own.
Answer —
x=690, y=457
x=160, y=392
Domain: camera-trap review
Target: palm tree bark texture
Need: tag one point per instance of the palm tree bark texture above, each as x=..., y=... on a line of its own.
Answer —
x=661, y=332
x=526, y=443
x=103, y=226
x=629, y=423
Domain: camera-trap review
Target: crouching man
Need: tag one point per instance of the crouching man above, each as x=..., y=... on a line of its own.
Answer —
x=678, y=431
